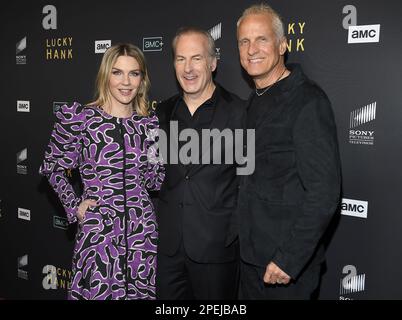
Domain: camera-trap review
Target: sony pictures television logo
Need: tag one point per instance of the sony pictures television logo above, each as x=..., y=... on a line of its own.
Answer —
x=152, y=44
x=358, y=118
x=21, y=157
x=216, y=34
x=21, y=46
x=22, y=262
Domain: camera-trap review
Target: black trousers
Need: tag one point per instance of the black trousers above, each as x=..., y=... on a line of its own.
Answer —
x=252, y=286
x=180, y=278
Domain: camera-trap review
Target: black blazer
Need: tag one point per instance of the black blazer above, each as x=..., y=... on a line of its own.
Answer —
x=197, y=204
x=286, y=204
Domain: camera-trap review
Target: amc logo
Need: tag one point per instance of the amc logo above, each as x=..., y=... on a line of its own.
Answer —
x=152, y=44
x=354, y=208
x=102, y=45
x=22, y=106
x=364, y=34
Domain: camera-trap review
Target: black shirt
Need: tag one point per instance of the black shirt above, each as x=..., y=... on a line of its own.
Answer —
x=258, y=105
x=201, y=119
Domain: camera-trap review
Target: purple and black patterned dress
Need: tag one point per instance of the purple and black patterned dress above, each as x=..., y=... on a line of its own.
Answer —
x=115, y=250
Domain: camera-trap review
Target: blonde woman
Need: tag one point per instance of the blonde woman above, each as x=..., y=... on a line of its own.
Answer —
x=112, y=143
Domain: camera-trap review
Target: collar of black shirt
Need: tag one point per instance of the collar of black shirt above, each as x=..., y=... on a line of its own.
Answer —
x=210, y=103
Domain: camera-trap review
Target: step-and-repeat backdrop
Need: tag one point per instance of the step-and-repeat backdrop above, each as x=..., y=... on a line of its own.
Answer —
x=50, y=56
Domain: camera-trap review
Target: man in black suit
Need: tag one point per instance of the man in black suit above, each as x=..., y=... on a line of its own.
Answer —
x=197, y=247
x=286, y=205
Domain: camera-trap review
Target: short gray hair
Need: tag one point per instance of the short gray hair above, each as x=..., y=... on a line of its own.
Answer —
x=188, y=30
x=263, y=8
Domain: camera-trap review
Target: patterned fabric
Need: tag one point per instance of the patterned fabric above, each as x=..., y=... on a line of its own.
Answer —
x=115, y=249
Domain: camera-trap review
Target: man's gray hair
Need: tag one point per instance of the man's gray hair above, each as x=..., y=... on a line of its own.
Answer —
x=263, y=8
x=188, y=30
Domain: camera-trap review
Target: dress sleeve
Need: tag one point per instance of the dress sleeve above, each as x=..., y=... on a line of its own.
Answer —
x=155, y=173
x=63, y=153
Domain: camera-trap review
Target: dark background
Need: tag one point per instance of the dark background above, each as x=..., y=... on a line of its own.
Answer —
x=353, y=76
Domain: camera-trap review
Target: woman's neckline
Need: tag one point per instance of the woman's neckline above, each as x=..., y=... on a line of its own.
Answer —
x=108, y=115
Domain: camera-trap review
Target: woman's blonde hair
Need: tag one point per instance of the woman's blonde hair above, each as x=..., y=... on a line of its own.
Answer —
x=102, y=92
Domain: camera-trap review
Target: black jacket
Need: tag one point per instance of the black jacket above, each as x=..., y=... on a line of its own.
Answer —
x=197, y=203
x=286, y=205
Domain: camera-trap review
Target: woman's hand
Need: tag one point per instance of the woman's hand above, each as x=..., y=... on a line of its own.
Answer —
x=83, y=207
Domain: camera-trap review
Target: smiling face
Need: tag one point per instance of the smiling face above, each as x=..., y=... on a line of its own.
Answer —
x=194, y=65
x=124, y=81
x=261, y=52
